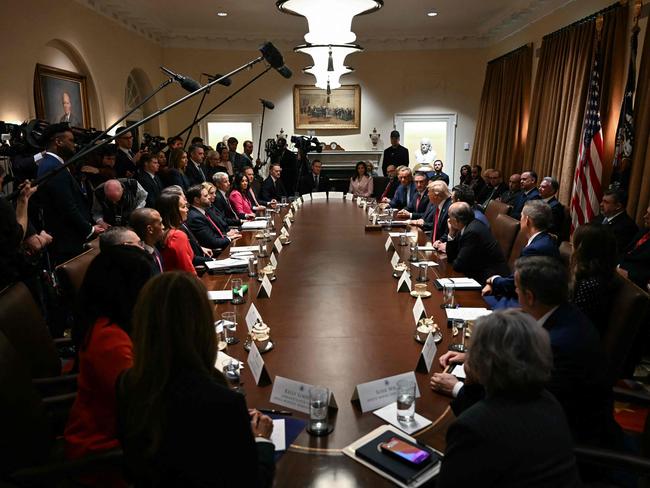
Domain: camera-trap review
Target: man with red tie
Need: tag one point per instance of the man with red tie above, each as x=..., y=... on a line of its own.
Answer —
x=418, y=206
x=635, y=262
x=435, y=217
x=204, y=228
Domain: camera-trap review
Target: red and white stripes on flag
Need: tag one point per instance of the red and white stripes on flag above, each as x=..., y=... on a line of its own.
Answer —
x=587, y=189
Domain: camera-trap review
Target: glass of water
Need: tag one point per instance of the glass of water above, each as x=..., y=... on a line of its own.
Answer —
x=283, y=201
x=237, y=291
x=405, y=401
x=229, y=322
x=448, y=296
x=318, y=404
x=230, y=369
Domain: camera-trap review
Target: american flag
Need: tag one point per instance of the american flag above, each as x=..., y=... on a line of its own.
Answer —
x=587, y=190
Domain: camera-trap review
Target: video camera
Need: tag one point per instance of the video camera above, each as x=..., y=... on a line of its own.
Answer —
x=307, y=144
x=152, y=144
x=21, y=140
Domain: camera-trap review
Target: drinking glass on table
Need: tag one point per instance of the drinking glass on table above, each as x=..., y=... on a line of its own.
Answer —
x=448, y=291
x=229, y=322
x=319, y=397
x=230, y=369
x=237, y=291
x=405, y=401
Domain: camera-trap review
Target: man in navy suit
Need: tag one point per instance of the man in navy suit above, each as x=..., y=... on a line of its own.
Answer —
x=149, y=179
x=206, y=231
x=273, y=188
x=437, y=173
x=536, y=218
x=221, y=202
x=66, y=214
x=418, y=206
x=635, y=262
x=406, y=191
x=194, y=169
x=613, y=214
x=529, y=192
x=547, y=190
x=434, y=219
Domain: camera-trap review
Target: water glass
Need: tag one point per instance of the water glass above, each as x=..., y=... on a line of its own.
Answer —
x=229, y=322
x=402, y=239
x=237, y=291
x=318, y=405
x=252, y=267
x=405, y=401
x=283, y=201
x=422, y=277
x=414, y=253
x=458, y=326
x=448, y=296
x=230, y=369
x=220, y=333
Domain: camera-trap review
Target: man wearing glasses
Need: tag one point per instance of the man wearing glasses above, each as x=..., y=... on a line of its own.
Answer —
x=126, y=160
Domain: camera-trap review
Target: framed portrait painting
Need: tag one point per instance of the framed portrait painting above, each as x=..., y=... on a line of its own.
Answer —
x=314, y=109
x=61, y=96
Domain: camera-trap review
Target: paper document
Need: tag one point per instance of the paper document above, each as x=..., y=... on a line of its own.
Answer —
x=253, y=224
x=397, y=234
x=219, y=295
x=224, y=263
x=467, y=313
x=389, y=414
x=428, y=263
x=319, y=195
x=237, y=249
x=459, y=282
x=278, y=437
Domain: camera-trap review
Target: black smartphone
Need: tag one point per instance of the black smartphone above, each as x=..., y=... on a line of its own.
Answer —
x=404, y=451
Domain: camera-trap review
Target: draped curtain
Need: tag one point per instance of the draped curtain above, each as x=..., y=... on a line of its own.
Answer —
x=560, y=92
x=503, y=112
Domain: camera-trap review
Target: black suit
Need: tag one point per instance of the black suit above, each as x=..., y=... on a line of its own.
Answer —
x=153, y=187
x=124, y=163
x=177, y=177
x=195, y=175
x=623, y=227
x=199, y=256
x=476, y=252
x=420, y=209
x=223, y=206
x=636, y=260
x=204, y=230
x=218, y=218
x=489, y=193
x=510, y=441
x=521, y=200
x=397, y=156
x=557, y=209
x=289, y=176
x=272, y=190
x=312, y=184
x=429, y=224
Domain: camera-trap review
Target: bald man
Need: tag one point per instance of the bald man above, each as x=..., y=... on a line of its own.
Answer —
x=116, y=199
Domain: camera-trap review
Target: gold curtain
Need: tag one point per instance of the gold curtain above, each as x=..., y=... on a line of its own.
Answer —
x=639, y=190
x=560, y=93
x=503, y=113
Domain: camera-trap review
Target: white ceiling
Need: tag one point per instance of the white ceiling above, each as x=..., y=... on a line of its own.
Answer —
x=400, y=24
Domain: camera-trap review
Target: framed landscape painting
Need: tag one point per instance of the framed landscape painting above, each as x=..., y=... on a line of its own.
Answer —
x=61, y=96
x=314, y=109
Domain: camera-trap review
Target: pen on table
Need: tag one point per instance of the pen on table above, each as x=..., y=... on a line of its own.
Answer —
x=274, y=412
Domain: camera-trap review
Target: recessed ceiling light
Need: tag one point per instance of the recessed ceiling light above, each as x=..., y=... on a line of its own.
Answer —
x=432, y=14
x=222, y=14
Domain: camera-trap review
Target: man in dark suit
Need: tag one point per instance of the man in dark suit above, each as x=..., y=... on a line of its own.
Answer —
x=435, y=219
x=395, y=154
x=66, y=216
x=511, y=195
x=237, y=160
x=391, y=183
x=289, y=164
x=194, y=169
x=418, y=205
x=547, y=190
x=470, y=247
x=635, y=262
x=406, y=191
x=253, y=191
x=530, y=192
x=206, y=231
x=126, y=160
x=315, y=181
x=613, y=214
x=273, y=188
x=147, y=223
x=437, y=173
x=149, y=179
x=221, y=202
x=493, y=190
x=116, y=199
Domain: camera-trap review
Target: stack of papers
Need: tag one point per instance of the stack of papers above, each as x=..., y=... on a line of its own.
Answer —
x=397, y=234
x=459, y=283
x=254, y=224
x=245, y=249
x=467, y=313
x=225, y=263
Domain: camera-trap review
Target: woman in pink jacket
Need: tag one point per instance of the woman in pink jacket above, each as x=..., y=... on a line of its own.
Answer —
x=238, y=197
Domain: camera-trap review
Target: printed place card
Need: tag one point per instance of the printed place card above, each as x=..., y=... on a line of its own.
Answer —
x=395, y=259
x=258, y=369
x=278, y=245
x=252, y=317
x=427, y=354
x=265, y=288
x=404, y=283
x=338, y=195
x=273, y=260
x=220, y=295
x=418, y=310
x=379, y=393
x=287, y=222
x=319, y=195
x=294, y=395
x=389, y=244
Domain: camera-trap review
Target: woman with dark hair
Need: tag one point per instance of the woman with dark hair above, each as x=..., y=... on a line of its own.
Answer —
x=238, y=198
x=518, y=434
x=465, y=175
x=176, y=249
x=361, y=182
x=102, y=334
x=175, y=174
x=179, y=423
x=593, y=266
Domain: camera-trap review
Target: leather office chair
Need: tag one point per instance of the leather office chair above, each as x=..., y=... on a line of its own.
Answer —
x=517, y=247
x=378, y=185
x=495, y=208
x=71, y=273
x=505, y=229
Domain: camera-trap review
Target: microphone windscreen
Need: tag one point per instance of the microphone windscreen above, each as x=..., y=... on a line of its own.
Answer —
x=272, y=55
x=267, y=103
x=190, y=85
x=284, y=71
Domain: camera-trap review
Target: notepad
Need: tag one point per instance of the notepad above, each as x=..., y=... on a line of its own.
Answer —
x=237, y=249
x=467, y=313
x=458, y=283
x=254, y=224
x=224, y=263
x=397, y=234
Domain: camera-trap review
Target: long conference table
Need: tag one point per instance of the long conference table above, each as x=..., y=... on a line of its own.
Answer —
x=337, y=320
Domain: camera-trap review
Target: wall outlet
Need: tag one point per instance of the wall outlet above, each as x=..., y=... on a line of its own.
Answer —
x=466, y=146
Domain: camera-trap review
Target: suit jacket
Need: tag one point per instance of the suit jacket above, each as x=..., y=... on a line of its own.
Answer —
x=636, y=260
x=177, y=177
x=624, y=229
x=391, y=185
x=271, y=191
x=240, y=203
x=224, y=207
x=397, y=156
x=521, y=200
x=218, y=218
x=66, y=215
x=490, y=193
x=124, y=163
x=476, y=253
x=204, y=231
x=542, y=245
x=195, y=175
x=178, y=253
x=429, y=215
x=308, y=185
x=399, y=201
x=433, y=176
x=418, y=212
x=153, y=187
x=199, y=256
x=557, y=209
x=534, y=451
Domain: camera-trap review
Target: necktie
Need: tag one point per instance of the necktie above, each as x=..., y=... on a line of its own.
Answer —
x=316, y=182
x=252, y=194
x=214, y=225
x=408, y=196
x=644, y=238
x=130, y=155
x=417, y=202
x=435, y=224
x=390, y=182
x=156, y=255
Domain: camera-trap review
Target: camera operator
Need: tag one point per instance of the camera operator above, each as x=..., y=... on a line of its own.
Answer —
x=289, y=163
x=126, y=161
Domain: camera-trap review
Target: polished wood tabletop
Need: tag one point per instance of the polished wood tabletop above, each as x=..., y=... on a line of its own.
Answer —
x=337, y=320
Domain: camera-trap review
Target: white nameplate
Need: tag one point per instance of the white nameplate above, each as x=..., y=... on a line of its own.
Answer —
x=284, y=232
x=290, y=214
x=336, y=195
x=389, y=244
x=379, y=393
x=404, y=283
x=265, y=288
x=256, y=363
x=287, y=222
x=278, y=245
x=294, y=205
x=426, y=356
x=319, y=195
x=252, y=317
x=294, y=395
x=418, y=310
x=220, y=295
x=273, y=260
x=395, y=259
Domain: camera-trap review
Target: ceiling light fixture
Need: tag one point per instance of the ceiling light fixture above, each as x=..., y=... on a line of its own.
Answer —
x=222, y=14
x=432, y=14
x=328, y=62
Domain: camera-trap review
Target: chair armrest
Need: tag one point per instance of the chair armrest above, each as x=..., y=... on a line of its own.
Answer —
x=612, y=459
x=641, y=397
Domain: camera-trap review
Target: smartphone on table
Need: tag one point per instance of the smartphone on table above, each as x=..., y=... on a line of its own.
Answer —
x=404, y=451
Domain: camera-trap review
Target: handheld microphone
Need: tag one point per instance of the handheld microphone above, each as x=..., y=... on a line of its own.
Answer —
x=185, y=81
x=211, y=78
x=275, y=59
x=267, y=103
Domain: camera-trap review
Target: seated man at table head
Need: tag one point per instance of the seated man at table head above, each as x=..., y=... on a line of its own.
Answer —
x=511, y=357
x=273, y=188
x=418, y=206
x=635, y=261
x=147, y=224
x=471, y=248
x=406, y=190
x=206, y=231
x=435, y=218
x=614, y=215
x=314, y=181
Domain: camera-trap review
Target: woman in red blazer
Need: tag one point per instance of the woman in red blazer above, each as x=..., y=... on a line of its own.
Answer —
x=176, y=252
x=238, y=198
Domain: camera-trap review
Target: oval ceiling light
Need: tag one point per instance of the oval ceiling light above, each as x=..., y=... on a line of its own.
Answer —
x=328, y=62
x=432, y=14
x=330, y=21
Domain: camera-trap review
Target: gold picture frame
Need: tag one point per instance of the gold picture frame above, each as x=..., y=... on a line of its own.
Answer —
x=311, y=109
x=61, y=96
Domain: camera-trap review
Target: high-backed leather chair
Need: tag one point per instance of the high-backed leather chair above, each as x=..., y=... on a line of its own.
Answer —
x=71, y=273
x=505, y=228
x=23, y=324
x=517, y=247
x=495, y=208
x=378, y=185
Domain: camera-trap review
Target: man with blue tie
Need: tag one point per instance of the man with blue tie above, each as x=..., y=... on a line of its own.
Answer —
x=406, y=191
x=529, y=192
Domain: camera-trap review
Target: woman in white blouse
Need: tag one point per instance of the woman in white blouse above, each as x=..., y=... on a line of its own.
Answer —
x=361, y=182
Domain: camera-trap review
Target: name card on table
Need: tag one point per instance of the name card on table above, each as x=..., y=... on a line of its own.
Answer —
x=404, y=283
x=294, y=205
x=427, y=354
x=290, y=214
x=418, y=310
x=220, y=295
x=389, y=244
x=395, y=259
x=294, y=395
x=284, y=232
x=252, y=317
x=278, y=245
x=265, y=288
x=338, y=195
x=258, y=369
x=287, y=222
x=319, y=195
x=273, y=260
x=379, y=393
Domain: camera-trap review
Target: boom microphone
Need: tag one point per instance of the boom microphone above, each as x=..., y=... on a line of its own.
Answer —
x=267, y=103
x=224, y=82
x=185, y=81
x=275, y=59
